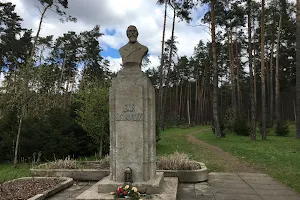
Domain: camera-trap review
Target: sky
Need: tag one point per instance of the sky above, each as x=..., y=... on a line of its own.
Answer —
x=114, y=16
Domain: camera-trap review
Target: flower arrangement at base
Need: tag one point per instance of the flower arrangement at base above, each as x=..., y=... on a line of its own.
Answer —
x=127, y=192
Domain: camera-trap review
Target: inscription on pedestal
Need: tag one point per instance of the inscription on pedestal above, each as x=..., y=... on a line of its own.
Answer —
x=129, y=114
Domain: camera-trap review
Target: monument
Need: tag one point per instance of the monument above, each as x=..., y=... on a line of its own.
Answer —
x=132, y=116
x=132, y=129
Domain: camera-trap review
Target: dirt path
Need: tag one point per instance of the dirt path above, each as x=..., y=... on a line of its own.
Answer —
x=229, y=162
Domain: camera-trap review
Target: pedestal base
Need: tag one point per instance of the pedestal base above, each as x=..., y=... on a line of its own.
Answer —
x=168, y=191
x=153, y=186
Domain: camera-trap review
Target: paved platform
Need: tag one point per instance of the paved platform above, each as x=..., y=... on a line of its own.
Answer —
x=220, y=186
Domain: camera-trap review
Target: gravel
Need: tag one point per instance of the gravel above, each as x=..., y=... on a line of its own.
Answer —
x=23, y=189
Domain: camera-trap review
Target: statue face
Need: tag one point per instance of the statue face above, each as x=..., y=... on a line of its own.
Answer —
x=132, y=34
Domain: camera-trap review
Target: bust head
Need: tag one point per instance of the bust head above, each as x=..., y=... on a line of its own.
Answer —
x=132, y=33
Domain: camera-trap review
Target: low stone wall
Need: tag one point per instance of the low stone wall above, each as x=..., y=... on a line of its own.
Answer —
x=185, y=176
x=76, y=174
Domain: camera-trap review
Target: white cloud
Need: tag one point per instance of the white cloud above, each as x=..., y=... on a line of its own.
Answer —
x=114, y=63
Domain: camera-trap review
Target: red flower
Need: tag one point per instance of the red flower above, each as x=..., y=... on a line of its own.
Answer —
x=119, y=189
x=117, y=193
x=124, y=192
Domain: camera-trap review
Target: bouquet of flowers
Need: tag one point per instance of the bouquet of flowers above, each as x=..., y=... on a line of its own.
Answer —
x=127, y=191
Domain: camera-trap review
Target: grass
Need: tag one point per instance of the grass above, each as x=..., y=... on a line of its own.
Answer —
x=279, y=157
x=174, y=139
x=7, y=172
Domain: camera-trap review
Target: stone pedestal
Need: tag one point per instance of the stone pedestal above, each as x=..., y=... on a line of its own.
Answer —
x=132, y=126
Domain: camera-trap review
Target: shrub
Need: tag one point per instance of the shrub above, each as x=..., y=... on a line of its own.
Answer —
x=176, y=161
x=229, y=120
x=241, y=127
x=282, y=128
x=67, y=163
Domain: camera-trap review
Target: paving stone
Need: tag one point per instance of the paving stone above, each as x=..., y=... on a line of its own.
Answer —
x=231, y=185
x=276, y=192
x=233, y=191
x=277, y=186
x=203, y=190
x=236, y=197
x=226, y=176
x=268, y=197
x=261, y=181
x=252, y=174
x=226, y=186
x=226, y=181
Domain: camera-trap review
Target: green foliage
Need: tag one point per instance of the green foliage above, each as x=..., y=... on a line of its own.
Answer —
x=241, y=127
x=54, y=133
x=8, y=172
x=93, y=115
x=282, y=129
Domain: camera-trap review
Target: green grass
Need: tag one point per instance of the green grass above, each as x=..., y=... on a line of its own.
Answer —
x=279, y=157
x=7, y=172
x=175, y=140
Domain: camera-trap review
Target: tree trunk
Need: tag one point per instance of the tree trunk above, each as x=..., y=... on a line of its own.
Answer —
x=196, y=98
x=239, y=99
x=215, y=67
x=37, y=33
x=254, y=78
x=161, y=72
x=101, y=146
x=168, y=72
x=271, y=86
x=232, y=74
x=263, y=84
x=253, y=110
x=298, y=71
x=18, y=134
x=277, y=82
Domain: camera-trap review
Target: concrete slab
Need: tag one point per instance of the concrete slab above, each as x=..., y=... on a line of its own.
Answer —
x=281, y=197
x=236, y=197
x=233, y=191
x=168, y=192
x=225, y=187
x=153, y=186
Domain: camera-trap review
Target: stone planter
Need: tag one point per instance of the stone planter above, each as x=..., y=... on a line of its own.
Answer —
x=188, y=176
x=184, y=176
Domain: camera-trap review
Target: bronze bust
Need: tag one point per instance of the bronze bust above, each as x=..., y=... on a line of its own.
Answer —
x=133, y=52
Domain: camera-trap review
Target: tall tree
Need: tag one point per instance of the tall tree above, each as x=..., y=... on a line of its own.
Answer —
x=93, y=113
x=161, y=67
x=253, y=113
x=298, y=70
x=263, y=84
x=47, y=4
x=215, y=67
x=277, y=80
